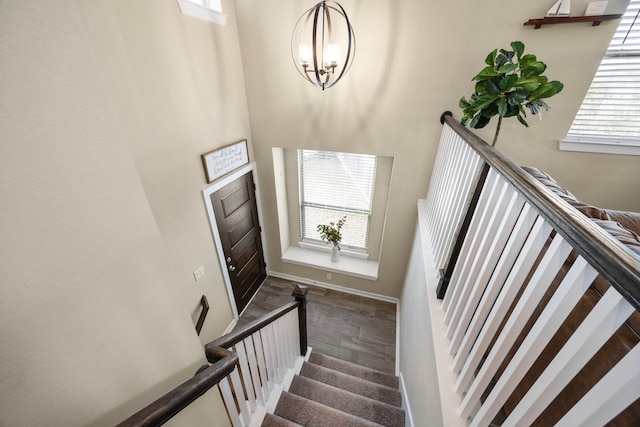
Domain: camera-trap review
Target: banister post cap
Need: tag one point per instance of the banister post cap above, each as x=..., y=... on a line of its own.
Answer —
x=300, y=291
x=442, y=117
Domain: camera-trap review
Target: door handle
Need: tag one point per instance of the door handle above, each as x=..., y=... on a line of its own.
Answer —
x=232, y=268
x=228, y=259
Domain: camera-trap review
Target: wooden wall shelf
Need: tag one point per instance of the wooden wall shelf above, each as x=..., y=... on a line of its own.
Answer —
x=595, y=20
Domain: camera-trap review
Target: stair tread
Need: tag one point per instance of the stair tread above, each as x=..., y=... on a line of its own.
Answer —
x=271, y=420
x=354, y=370
x=345, y=401
x=312, y=414
x=352, y=384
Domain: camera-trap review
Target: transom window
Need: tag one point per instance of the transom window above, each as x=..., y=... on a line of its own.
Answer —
x=333, y=185
x=206, y=10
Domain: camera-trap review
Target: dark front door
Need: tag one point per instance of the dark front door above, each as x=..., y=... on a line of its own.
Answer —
x=236, y=212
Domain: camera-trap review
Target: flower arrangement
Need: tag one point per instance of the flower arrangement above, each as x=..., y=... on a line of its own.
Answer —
x=331, y=232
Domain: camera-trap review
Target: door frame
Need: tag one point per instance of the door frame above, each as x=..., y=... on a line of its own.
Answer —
x=206, y=193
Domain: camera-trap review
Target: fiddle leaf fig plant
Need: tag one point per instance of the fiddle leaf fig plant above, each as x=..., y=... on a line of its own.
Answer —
x=510, y=82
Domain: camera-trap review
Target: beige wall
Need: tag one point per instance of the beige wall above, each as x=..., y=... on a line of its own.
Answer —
x=176, y=85
x=92, y=325
x=413, y=61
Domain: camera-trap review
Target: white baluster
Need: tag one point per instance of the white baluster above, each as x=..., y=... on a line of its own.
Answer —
x=572, y=288
x=229, y=403
x=255, y=376
x=600, y=324
x=240, y=398
x=508, y=258
x=527, y=257
x=495, y=238
x=246, y=375
x=260, y=348
x=546, y=271
x=485, y=213
x=467, y=250
x=619, y=388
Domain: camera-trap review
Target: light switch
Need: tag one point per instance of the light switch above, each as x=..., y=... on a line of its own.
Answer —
x=198, y=273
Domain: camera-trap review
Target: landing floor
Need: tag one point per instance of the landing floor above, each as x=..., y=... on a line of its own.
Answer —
x=350, y=327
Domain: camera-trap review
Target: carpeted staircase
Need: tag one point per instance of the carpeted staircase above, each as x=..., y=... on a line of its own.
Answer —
x=331, y=392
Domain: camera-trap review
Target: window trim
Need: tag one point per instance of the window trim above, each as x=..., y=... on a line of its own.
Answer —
x=213, y=13
x=287, y=204
x=600, y=145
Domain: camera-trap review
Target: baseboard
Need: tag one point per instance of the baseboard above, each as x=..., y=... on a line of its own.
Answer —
x=398, y=338
x=405, y=403
x=334, y=287
x=230, y=327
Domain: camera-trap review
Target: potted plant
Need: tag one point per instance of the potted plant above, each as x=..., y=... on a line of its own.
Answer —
x=332, y=234
x=510, y=82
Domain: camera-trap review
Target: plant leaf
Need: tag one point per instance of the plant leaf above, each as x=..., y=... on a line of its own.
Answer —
x=517, y=96
x=507, y=82
x=533, y=69
x=486, y=74
x=463, y=103
x=522, y=120
x=491, y=58
x=528, y=83
x=485, y=100
x=527, y=60
x=479, y=121
x=507, y=68
x=502, y=107
x=547, y=90
x=518, y=48
x=490, y=86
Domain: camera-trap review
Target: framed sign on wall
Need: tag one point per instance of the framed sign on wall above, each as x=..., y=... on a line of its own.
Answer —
x=223, y=160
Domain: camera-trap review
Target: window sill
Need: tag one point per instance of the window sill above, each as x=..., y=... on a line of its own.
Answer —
x=195, y=10
x=601, y=145
x=320, y=247
x=351, y=266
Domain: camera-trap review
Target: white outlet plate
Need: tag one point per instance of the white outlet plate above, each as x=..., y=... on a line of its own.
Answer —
x=198, y=273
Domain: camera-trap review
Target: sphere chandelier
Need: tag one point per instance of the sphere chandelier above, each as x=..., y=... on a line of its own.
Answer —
x=323, y=44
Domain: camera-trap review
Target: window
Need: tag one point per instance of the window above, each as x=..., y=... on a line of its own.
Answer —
x=207, y=10
x=610, y=111
x=333, y=185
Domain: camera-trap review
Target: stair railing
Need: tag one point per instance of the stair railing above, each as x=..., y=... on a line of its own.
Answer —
x=249, y=366
x=516, y=261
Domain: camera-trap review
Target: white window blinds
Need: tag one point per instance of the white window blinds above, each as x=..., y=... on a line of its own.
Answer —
x=611, y=108
x=333, y=185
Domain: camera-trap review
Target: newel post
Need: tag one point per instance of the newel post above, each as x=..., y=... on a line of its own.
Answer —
x=300, y=294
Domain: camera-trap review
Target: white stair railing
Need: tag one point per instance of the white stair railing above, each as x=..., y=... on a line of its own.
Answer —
x=523, y=264
x=251, y=366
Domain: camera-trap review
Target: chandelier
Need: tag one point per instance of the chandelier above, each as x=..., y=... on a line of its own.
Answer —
x=323, y=44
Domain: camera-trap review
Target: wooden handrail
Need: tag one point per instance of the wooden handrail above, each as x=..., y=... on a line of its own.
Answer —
x=167, y=406
x=606, y=254
x=223, y=363
x=212, y=350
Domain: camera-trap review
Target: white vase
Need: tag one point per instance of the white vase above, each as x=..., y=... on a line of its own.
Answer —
x=335, y=253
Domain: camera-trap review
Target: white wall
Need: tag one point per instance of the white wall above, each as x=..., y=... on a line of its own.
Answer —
x=417, y=351
x=177, y=89
x=92, y=327
x=413, y=61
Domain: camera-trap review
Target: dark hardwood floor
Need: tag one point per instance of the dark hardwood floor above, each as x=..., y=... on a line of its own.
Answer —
x=350, y=327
